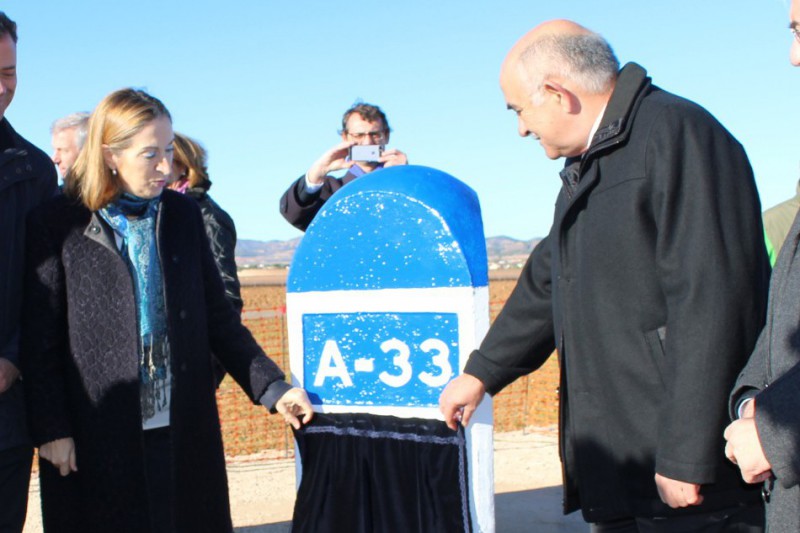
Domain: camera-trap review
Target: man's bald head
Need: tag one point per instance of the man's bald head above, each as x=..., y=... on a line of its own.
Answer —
x=564, y=52
x=558, y=79
x=559, y=27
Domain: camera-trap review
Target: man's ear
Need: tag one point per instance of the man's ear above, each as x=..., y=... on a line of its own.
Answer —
x=565, y=98
x=109, y=157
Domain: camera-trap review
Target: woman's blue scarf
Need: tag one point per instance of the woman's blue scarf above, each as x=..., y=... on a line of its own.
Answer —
x=134, y=220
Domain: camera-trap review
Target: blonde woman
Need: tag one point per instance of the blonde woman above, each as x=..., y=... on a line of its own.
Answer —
x=123, y=307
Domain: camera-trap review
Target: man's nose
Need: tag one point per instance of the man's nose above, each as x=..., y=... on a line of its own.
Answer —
x=522, y=129
x=794, y=53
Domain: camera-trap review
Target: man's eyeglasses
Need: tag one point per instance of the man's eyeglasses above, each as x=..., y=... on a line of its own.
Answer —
x=795, y=29
x=373, y=135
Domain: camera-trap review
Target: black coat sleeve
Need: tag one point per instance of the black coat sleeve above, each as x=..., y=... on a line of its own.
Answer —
x=521, y=338
x=713, y=272
x=230, y=341
x=221, y=233
x=299, y=207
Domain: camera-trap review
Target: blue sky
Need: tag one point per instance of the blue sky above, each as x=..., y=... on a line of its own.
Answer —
x=263, y=84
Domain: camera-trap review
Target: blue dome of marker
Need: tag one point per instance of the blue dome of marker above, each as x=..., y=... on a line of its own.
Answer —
x=396, y=228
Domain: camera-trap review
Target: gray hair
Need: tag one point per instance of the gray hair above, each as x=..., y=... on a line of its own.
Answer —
x=585, y=59
x=79, y=121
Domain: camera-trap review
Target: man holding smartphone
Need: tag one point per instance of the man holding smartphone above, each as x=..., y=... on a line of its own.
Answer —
x=365, y=133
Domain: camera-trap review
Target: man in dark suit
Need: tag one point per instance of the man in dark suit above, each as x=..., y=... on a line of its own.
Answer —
x=764, y=440
x=362, y=125
x=27, y=177
x=651, y=285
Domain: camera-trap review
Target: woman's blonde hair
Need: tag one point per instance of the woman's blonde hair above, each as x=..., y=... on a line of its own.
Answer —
x=191, y=155
x=116, y=119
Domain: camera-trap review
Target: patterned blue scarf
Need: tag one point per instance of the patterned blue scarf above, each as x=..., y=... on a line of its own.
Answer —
x=140, y=250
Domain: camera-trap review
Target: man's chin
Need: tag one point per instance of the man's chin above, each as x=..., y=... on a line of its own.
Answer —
x=551, y=153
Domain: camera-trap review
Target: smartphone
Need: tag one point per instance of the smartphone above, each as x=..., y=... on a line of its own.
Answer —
x=366, y=152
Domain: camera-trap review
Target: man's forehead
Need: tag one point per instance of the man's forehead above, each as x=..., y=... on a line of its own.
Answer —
x=64, y=134
x=356, y=118
x=8, y=52
x=514, y=82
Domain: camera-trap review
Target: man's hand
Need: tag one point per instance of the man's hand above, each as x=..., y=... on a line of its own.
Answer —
x=333, y=159
x=8, y=374
x=392, y=158
x=744, y=449
x=678, y=493
x=292, y=405
x=61, y=453
x=460, y=398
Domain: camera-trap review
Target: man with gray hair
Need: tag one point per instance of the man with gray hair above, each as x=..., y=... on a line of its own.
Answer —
x=68, y=135
x=651, y=286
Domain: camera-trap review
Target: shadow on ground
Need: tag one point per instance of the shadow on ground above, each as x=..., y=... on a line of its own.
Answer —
x=515, y=512
x=535, y=510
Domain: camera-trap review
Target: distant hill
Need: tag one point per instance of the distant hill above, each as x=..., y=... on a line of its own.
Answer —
x=265, y=253
x=503, y=252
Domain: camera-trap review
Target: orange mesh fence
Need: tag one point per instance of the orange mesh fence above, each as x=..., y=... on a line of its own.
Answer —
x=530, y=401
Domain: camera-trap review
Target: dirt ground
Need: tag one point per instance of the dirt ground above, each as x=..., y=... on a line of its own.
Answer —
x=527, y=486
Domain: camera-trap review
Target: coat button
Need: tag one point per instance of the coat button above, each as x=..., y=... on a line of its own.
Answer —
x=28, y=168
x=183, y=367
x=182, y=314
x=174, y=258
x=19, y=170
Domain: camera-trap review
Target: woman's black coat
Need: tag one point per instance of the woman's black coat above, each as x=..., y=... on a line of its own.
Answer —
x=82, y=371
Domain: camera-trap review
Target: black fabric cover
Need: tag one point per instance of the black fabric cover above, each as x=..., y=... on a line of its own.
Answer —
x=370, y=473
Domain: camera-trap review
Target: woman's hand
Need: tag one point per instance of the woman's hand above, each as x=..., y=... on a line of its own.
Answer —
x=294, y=404
x=61, y=453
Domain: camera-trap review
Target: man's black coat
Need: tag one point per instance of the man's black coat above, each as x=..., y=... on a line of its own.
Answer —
x=652, y=285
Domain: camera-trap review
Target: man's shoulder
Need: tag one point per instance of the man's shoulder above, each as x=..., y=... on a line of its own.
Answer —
x=673, y=109
x=44, y=166
x=784, y=210
x=60, y=211
x=34, y=152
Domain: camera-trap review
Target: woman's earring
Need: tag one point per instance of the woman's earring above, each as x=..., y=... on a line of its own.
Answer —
x=114, y=171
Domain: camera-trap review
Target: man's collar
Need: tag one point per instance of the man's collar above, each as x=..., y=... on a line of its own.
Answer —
x=631, y=86
x=6, y=135
x=596, y=125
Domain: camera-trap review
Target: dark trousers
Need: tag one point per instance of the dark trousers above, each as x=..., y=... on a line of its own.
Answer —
x=742, y=519
x=15, y=476
x=158, y=464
